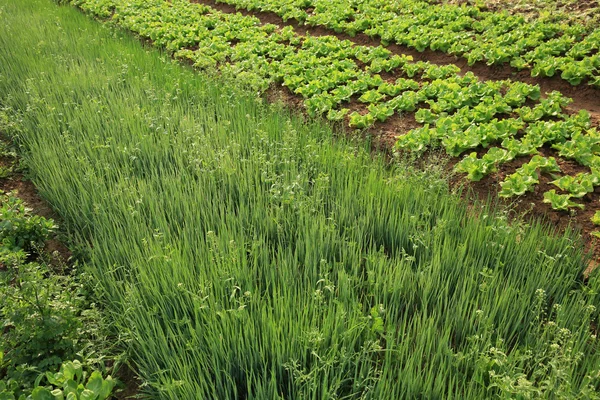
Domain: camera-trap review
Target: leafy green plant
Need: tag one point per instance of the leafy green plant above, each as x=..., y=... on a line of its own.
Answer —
x=407, y=101
x=425, y=116
x=381, y=112
x=523, y=147
x=544, y=164
x=46, y=317
x=519, y=92
x=475, y=168
x=458, y=143
x=577, y=186
x=72, y=382
x=416, y=140
x=361, y=121
x=561, y=202
x=596, y=218
x=337, y=115
x=371, y=96
x=390, y=89
x=42, y=318
x=19, y=228
x=517, y=184
x=582, y=147
x=527, y=176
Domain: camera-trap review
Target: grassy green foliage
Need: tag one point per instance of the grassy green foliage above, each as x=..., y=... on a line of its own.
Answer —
x=244, y=254
x=460, y=112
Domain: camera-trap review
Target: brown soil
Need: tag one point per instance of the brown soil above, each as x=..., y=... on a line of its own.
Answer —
x=131, y=383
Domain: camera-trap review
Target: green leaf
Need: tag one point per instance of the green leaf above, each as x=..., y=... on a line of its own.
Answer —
x=95, y=382
x=58, y=394
x=596, y=218
x=561, y=202
x=72, y=370
x=41, y=393
x=107, y=387
x=55, y=379
x=71, y=387
x=88, y=395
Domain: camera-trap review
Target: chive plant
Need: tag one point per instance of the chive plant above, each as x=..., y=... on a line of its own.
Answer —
x=242, y=252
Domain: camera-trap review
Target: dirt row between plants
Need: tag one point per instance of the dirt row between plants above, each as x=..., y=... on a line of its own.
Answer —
x=383, y=135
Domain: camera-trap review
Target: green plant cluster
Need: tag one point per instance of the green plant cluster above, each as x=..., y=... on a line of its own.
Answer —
x=71, y=382
x=20, y=230
x=527, y=176
x=570, y=11
x=46, y=317
x=542, y=125
x=245, y=254
x=547, y=48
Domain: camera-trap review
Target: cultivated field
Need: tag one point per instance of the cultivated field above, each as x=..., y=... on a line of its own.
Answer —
x=240, y=250
x=474, y=83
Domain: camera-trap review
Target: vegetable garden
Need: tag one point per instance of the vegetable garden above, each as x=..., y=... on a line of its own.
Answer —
x=240, y=252
x=365, y=85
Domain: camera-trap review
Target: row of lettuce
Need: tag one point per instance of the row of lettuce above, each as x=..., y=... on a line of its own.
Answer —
x=545, y=48
x=461, y=113
x=570, y=11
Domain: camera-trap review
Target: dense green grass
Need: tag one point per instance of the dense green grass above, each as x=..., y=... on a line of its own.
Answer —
x=243, y=253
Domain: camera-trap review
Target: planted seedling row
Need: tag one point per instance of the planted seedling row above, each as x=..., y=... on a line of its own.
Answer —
x=545, y=48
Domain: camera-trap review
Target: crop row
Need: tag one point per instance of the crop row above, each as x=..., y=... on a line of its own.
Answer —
x=460, y=113
x=547, y=49
x=325, y=71
x=569, y=11
x=238, y=253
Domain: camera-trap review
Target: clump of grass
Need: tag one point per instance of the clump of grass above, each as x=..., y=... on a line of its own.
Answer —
x=244, y=254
